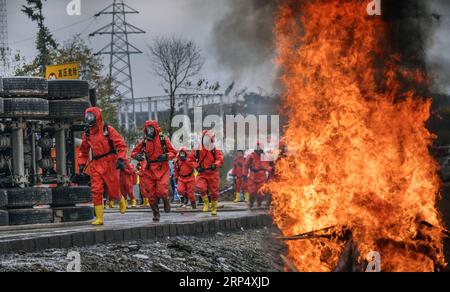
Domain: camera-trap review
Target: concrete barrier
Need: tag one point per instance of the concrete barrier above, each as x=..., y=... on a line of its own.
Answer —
x=142, y=233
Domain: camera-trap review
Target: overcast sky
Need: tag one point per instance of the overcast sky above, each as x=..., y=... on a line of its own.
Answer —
x=193, y=19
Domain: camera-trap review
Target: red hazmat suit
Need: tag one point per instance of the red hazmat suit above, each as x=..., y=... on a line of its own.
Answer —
x=257, y=172
x=128, y=179
x=156, y=173
x=143, y=180
x=185, y=174
x=238, y=173
x=107, y=147
x=208, y=181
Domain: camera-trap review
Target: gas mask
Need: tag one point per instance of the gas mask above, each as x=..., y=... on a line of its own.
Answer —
x=150, y=133
x=183, y=156
x=90, y=120
x=259, y=150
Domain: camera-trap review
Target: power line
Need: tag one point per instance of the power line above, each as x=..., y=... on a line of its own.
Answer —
x=53, y=31
x=119, y=51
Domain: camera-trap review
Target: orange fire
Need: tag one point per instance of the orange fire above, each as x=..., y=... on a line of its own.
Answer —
x=359, y=157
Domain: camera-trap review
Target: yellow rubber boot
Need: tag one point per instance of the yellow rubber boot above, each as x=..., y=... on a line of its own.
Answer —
x=214, y=208
x=145, y=203
x=205, y=204
x=247, y=197
x=111, y=205
x=133, y=203
x=123, y=204
x=99, y=216
x=238, y=198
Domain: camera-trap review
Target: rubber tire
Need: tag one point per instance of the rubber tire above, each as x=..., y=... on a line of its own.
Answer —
x=68, y=109
x=73, y=214
x=30, y=216
x=2, y=109
x=28, y=197
x=23, y=87
x=3, y=198
x=4, y=218
x=67, y=89
x=25, y=108
x=70, y=196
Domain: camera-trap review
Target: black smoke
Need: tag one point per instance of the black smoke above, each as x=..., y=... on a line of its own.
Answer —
x=411, y=26
x=243, y=40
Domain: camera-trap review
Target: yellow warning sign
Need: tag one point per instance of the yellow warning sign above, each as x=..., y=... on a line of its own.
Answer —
x=64, y=71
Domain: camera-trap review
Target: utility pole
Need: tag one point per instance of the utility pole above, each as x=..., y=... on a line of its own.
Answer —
x=120, y=51
x=4, y=45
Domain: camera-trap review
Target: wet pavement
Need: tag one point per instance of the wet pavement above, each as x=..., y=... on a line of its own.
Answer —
x=136, y=224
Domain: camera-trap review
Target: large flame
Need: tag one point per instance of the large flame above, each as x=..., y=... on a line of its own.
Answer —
x=359, y=149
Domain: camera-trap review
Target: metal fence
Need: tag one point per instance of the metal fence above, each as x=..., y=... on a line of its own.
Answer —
x=153, y=107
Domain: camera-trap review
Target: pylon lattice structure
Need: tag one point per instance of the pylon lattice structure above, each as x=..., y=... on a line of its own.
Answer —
x=4, y=45
x=120, y=51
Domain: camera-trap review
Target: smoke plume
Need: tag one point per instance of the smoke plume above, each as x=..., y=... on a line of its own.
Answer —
x=243, y=42
x=243, y=39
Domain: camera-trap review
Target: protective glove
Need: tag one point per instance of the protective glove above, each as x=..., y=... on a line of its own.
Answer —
x=213, y=166
x=140, y=157
x=201, y=170
x=162, y=158
x=81, y=168
x=121, y=165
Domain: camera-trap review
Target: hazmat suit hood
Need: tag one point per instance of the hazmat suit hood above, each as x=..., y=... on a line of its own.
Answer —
x=211, y=137
x=153, y=124
x=259, y=149
x=99, y=119
x=184, y=151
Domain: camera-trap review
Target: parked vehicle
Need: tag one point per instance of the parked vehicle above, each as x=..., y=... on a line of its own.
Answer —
x=39, y=121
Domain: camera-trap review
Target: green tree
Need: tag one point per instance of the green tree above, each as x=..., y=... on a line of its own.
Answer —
x=45, y=43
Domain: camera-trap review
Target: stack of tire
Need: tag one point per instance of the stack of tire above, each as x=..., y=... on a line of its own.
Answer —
x=68, y=100
x=70, y=204
x=24, y=97
x=26, y=206
x=34, y=98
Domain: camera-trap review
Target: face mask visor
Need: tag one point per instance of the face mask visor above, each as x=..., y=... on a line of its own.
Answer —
x=259, y=149
x=90, y=120
x=150, y=133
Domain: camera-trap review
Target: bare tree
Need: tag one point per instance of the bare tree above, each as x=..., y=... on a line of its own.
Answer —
x=175, y=61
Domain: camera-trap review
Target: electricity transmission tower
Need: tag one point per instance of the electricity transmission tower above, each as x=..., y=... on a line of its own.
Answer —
x=4, y=45
x=120, y=51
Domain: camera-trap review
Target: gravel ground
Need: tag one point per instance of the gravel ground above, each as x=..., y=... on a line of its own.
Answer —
x=244, y=251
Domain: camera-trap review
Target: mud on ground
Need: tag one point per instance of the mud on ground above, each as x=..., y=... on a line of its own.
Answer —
x=243, y=251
